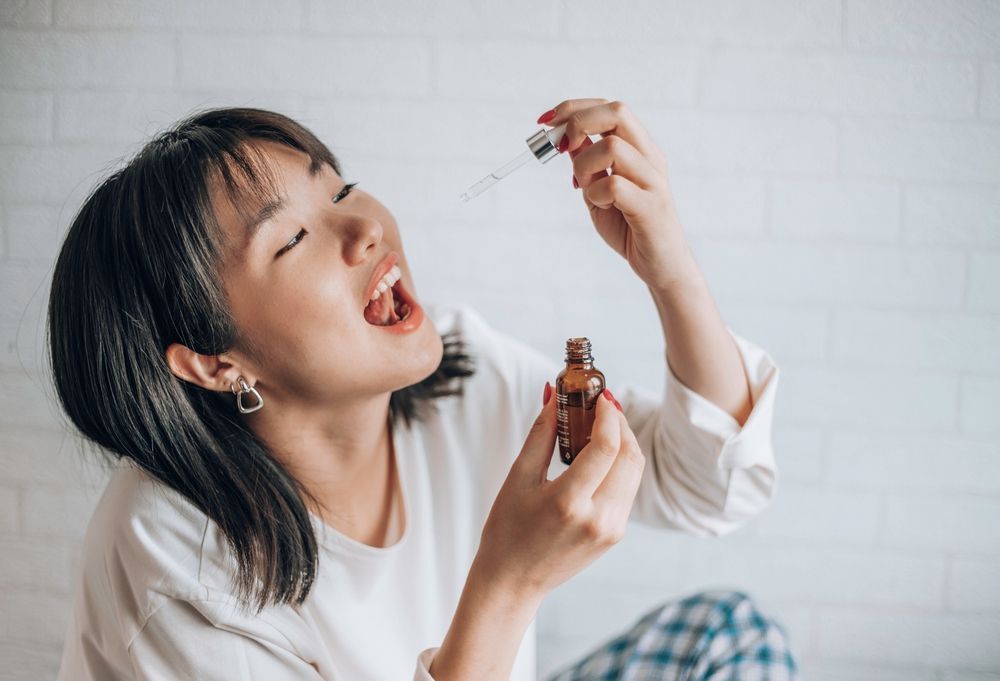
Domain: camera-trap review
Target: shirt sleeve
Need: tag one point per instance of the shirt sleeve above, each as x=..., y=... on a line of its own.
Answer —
x=181, y=641
x=424, y=660
x=704, y=473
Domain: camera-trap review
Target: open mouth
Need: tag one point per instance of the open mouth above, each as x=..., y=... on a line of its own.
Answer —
x=390, y=308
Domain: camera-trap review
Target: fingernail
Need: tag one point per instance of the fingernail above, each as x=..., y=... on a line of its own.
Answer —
x=547, y=395
x=575, y=183
x=563, y=143
x=619, y=405
x=547, y=116
x=608, y=395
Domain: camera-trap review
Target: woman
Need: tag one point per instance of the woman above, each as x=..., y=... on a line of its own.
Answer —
x=319, y=482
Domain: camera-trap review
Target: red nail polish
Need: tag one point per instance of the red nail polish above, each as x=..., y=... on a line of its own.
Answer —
x=563, y=143
x=575, y=183
x=619, y=405
x=608, y=395
x=547, y=116
x=547, y=394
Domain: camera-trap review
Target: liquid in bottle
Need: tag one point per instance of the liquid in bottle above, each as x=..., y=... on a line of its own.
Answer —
x=578, y=386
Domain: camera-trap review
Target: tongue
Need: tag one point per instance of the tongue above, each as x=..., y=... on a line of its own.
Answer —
x=382, y=311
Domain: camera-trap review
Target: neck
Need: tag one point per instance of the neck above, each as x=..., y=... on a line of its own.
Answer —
x=339, y=454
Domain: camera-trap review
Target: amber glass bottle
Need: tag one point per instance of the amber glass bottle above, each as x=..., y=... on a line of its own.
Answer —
x=578, y=386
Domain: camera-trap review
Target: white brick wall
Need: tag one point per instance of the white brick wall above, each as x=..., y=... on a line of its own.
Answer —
x=837, y=167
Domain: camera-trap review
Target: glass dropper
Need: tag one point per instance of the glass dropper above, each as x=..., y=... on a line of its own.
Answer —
x=543, y=145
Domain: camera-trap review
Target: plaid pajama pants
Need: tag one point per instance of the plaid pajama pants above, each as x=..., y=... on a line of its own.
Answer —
x=708, y=636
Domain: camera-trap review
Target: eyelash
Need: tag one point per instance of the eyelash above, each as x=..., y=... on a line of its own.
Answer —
x=342, y=194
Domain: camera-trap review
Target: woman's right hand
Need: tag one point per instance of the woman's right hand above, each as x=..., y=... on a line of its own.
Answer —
x=541, y=532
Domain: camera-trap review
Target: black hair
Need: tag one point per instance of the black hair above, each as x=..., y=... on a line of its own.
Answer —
x=139, y=269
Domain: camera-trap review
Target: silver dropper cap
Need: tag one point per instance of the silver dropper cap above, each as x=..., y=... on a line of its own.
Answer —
x=544, y=144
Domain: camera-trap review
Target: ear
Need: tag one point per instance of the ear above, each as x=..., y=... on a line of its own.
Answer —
x=212, y=372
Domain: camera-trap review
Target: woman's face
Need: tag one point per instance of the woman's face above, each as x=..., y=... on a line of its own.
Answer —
x=299, y=286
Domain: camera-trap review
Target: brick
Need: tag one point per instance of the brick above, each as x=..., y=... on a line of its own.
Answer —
x=920, y=150
x=66, y=59
x=9, y=510
x=649, y=556
x=904, y=462
x=800, y=453
x=23, y=347
x=119, y=116
x=185, y=14
x=25, y=117
x=817, y=516
x=822, y=575
x=882, y=338
x=29, y=661
x=55, y=175
x=741, y=143
x=658, y=73
x=952, y=215
x=26, y=13
x=438, y=18
x=784, y=23
x=34, y=564
x=28, y=401
x=786, y=332
x=238, y=63
x=925, y=26
x=41, y=617
x=57, y=512
x=984, y=282
x=819, y=670
x=596, y=614
x=989, y=97
x=25, y=293
x=35, y=232
x=404, y=129
x=830, y=273
x=835, y=82
x=701, y=211
x=853, y=211
x=867, y=398
x=909, y=638
x=942, y=522
x=973, y=585
x=979, y=408
x=53, y=458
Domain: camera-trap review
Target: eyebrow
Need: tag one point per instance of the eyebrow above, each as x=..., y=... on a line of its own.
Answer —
x=266, y=212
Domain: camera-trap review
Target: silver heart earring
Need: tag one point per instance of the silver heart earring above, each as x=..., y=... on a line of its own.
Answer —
x=244, y=389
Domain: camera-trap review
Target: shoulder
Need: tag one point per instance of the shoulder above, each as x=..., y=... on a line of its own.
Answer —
x=145, y=542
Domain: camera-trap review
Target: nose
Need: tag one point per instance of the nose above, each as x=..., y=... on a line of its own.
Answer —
x=362, y=244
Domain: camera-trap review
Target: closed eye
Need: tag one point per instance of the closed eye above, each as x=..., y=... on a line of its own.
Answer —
x=302, y=232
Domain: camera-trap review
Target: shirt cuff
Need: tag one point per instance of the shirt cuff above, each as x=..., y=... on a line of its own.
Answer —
x=424, y=660
x=711, y=433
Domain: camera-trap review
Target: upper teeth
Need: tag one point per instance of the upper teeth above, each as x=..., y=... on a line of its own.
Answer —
x=387, y=281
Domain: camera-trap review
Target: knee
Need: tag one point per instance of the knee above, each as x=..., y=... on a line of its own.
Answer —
x=729, y=609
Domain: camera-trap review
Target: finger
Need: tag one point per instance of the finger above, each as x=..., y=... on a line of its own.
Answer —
x=594, y=460
x=620, y=156
x=586, y=144
x=618, y=489
x=617, y=191
x=584, y=118
x=532, y=464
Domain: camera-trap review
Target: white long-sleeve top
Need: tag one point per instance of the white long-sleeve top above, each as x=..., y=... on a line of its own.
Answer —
x=154, y=599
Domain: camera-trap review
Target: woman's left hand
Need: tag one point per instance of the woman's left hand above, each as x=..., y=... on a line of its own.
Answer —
x=632, y=207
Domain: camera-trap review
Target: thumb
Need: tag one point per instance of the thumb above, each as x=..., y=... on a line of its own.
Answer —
x=536, y=454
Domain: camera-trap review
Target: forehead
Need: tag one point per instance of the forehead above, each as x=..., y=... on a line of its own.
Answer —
x=264, y=175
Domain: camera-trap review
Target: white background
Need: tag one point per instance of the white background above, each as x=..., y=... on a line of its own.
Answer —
x=836, y=165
